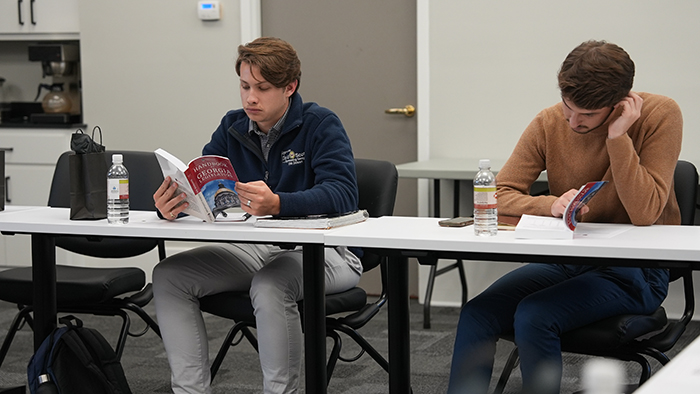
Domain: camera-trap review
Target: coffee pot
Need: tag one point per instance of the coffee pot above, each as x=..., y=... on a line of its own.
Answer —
x=56, y=100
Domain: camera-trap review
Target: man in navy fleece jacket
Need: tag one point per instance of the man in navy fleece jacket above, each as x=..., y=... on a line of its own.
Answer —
x=292, y=159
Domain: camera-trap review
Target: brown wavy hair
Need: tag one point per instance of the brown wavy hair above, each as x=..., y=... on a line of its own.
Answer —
x=596, y=74
x=277, y=60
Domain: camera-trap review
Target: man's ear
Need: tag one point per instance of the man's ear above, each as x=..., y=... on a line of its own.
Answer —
x=291, y=88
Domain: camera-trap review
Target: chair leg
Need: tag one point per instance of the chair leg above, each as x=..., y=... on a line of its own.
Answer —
x=507, y=370
x=646, y=367
x=123, y=334
x=429, y=296
x=659, y=356
x=435, y=272
x=228, y=342
x=14, y=327
x=463, y=281
x=150, y=323
x=335, y=353
x=366, y=346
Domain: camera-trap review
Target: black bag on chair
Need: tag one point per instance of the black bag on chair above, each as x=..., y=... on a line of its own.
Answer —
x=88, y=177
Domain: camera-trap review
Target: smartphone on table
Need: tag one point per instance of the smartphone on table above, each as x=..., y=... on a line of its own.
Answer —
x=460, y=221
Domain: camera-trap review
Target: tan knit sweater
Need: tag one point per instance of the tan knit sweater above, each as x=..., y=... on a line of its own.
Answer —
x=638, y=165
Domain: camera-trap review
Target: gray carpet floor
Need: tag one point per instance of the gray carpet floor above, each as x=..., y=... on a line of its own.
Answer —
x=146, y=367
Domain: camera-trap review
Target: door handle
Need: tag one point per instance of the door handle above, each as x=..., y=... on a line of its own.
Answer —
x=408, y=110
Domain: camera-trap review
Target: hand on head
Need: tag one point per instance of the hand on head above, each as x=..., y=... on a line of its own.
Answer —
x=631, y=111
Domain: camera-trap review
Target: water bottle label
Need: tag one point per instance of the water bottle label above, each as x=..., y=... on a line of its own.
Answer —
x=117, y=189
x=484, y=197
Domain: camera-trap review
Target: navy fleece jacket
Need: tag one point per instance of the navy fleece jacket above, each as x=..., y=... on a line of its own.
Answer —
x=311, y=166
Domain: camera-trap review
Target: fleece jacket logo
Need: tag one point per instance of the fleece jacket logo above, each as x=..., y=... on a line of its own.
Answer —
x=291, y=158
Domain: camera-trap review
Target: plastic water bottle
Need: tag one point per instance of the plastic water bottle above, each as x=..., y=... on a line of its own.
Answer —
x=603, y=376
x=117, y=192
x=485, y=211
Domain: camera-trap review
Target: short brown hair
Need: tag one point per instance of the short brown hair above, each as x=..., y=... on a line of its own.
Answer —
x=596, y=74
x=276, y=59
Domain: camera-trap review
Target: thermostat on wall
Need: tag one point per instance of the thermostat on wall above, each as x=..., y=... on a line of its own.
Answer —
x=209, y=10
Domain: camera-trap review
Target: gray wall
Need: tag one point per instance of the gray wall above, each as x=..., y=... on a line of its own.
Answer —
x=154, y=75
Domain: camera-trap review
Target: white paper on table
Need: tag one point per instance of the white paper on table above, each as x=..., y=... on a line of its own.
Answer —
x=599, y=230
x=547, y=227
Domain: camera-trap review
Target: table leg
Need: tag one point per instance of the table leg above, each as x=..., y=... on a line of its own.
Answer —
x=399, y=326
x=44, y=279
x=436, y=196
x=455, y=208
x=315, y=318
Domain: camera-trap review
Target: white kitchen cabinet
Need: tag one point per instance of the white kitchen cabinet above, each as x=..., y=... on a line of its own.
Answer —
x=39, y=19
x=30, y=159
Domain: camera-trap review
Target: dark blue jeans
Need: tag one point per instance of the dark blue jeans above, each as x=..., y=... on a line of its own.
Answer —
x=538, y=302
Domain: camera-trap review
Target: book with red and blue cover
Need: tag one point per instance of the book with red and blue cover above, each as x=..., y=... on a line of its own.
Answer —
x=585, y=193
x=207, y=181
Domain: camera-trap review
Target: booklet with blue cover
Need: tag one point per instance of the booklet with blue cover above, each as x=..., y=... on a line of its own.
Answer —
x=585, y=193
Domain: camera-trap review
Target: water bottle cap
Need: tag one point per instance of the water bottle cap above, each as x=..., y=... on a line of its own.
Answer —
x=484, y=163
x=117, y=158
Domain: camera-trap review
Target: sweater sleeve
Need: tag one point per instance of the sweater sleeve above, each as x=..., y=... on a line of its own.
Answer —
x=521, y=170
x=642, y=166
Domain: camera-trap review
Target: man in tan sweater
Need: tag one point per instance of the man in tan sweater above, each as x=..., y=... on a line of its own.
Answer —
x=601, y=130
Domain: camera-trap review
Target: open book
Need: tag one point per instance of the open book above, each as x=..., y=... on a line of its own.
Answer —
x=323, y=222
x=208, y=182
x=547, y=227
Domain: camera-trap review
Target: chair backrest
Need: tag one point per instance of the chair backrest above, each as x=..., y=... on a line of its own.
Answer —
x=685, y=185
x=377, y=182
x=145, y=177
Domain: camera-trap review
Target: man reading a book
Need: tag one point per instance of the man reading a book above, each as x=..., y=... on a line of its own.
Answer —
x=601, y=130
x=292, y=159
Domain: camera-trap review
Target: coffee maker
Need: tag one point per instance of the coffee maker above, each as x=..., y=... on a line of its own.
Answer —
x=62, y=103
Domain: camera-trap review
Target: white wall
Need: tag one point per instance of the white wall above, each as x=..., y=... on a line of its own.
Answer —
x=493, y=66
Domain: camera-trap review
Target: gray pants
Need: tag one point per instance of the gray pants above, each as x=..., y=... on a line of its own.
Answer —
x=274, y=278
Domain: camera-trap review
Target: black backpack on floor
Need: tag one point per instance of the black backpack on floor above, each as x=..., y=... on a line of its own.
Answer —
x=74, y=360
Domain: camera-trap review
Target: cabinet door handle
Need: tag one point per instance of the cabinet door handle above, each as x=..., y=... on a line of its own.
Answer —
x=19, y=12
x=7, y=190
x=31, y=11
x=6, y=149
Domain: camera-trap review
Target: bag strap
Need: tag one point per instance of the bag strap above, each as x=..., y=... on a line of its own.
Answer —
x=68, y=321
x=93, y=133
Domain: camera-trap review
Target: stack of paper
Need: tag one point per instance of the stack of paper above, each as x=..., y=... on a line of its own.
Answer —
x=542, y=227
